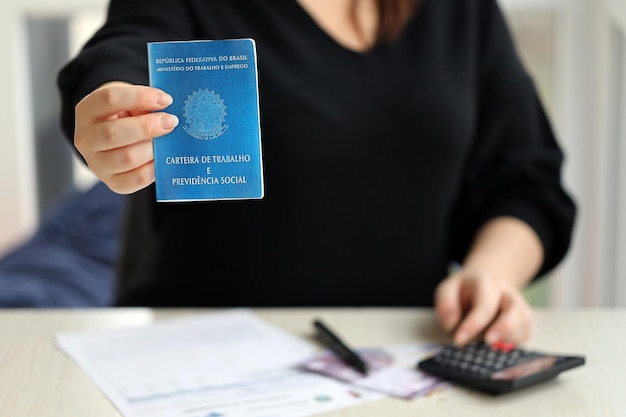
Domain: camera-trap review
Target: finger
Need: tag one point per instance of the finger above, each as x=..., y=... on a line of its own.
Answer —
x=483, y=309
x=108, y=101
x=118, y=133
x=448, y=303
x=513, y=324
x=131, y=181
x=122, y=160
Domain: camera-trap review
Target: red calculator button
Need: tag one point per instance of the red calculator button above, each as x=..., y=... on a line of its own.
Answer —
x=503, y=346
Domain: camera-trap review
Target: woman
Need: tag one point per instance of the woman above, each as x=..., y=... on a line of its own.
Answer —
x=399, y=138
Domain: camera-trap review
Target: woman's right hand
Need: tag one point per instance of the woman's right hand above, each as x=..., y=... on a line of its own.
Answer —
x=115, y=126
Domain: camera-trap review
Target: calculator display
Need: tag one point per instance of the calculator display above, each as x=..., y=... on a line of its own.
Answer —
x=530, y=367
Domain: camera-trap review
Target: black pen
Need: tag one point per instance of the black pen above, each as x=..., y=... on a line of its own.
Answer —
x=332, y=342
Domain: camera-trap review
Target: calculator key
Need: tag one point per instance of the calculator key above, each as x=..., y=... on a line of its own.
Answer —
x=503, y=346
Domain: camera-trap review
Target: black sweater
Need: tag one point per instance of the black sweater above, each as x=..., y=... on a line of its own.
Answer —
x=379, y=166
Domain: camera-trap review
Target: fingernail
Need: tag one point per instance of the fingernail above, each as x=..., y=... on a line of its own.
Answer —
x=169, y=121
x=164, y=99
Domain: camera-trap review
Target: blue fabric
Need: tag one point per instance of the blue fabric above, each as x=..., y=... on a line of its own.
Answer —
x=70, y=260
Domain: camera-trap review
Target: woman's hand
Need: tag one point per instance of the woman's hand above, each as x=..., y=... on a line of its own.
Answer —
x=115, y=125
x=479, y=306
x=483, y=299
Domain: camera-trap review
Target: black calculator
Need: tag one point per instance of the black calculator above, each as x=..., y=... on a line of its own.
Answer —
x=498, y=368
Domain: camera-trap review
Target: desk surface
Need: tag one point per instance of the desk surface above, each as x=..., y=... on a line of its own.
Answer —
x=37, y=379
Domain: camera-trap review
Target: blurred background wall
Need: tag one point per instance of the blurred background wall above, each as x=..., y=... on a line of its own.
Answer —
x=574, y=49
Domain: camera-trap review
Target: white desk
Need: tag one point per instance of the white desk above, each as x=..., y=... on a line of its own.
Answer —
x=37, y=379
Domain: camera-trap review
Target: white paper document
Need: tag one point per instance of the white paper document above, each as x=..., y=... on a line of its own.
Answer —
x=225, y=364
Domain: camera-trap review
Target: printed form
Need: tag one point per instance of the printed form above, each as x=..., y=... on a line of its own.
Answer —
x=229, y=363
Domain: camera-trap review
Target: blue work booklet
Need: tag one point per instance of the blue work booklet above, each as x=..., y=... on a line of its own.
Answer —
x=215, y=151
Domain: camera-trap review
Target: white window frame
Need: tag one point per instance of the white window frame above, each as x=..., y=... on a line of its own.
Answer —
x=18, y=211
